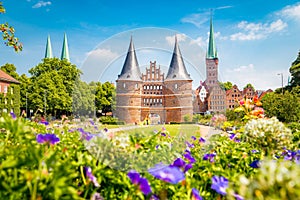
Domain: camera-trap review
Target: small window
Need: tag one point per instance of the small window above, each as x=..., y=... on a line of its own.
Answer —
x=176, y=86
x=124, y=85
x=136, y=86
x=5, y=89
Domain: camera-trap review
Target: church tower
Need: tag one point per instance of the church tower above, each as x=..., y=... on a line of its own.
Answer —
x=48, y=52
x=178, y=88
x=129, y=84
x=65, y=49
x=212, y=60
x=216, y=95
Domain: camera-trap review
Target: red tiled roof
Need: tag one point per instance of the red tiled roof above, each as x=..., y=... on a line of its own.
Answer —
x=7, y=78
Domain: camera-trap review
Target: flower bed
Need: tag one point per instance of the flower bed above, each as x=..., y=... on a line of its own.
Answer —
x=40, y=161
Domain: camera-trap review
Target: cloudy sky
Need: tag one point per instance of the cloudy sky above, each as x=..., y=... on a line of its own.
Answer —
x=256, y=40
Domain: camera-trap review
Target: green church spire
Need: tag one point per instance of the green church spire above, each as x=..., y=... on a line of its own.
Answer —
x=48, y=53
x=65, y=49
x=212, y=52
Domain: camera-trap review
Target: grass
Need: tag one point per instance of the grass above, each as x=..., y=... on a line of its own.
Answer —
x=184, y=129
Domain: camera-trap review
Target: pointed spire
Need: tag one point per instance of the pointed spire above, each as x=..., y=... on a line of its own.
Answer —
x=131, y=70
x=212, y=52
x=177, y=70
x=65, y=49
x=48, y=53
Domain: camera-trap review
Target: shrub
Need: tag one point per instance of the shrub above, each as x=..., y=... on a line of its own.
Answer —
x=270, y=135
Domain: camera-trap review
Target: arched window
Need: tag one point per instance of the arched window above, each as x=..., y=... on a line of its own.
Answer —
x=176, y=86
x=124, y=85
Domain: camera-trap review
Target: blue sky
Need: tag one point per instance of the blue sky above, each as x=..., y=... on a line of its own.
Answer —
x=255, y=39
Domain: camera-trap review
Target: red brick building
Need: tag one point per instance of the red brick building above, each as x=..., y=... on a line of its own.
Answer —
x=152, y=95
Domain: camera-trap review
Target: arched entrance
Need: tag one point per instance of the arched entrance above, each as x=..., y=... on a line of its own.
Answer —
x=154, y=118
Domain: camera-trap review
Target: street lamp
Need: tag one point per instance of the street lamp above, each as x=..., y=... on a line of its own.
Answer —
x=281, y=81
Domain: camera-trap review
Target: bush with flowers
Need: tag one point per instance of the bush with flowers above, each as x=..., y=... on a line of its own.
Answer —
x=47, y=161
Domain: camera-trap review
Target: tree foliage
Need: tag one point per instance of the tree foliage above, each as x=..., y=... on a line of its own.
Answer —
x=52, y=85
x=295, y=72
x=105, y=95
x=226, y=85
x=285, y=107
x=249, y=85
x=8, y=34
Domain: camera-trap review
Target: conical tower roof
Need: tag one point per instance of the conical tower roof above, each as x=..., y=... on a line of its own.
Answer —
x=131, y=70
x=65, y=49
x=177, y=70
x=212, y=51
x=48, y=53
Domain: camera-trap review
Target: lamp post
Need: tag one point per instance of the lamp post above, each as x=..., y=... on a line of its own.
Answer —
x=281, y=81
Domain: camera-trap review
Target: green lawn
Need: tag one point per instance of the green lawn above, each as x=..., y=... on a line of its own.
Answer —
x=184, y=129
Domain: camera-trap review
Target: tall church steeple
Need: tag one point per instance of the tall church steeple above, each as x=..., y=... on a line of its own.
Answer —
x=48, y=52
x=131, y=70
x=65, y=49
x=177, y=70
x=212, y=51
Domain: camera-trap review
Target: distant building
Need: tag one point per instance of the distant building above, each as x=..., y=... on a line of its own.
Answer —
x=9, y=101
x=210, y=96
x=152, y=96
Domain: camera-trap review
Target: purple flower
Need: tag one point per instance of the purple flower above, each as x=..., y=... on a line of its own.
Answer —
x=163, y=134
x=238, y=197
x=210, y=157
x=202, y=140
x=144, y=186
x=44, y=122
x=170, y=174
x=189, y=144
x=47, y=138
x=86, y=136
x=187, y=167
x=92, y=122
x=255, y=164
x=142, y=183
x=157, y=146
x=290, y=155
x=12, y=114
x=219, y=184
x=196, y=195
x=254, y=151
x=193, y=138
x=91, y=177
x=189, y=157
x=179, y=163
x=105, y=129
x=232, y=135
x=154, y=197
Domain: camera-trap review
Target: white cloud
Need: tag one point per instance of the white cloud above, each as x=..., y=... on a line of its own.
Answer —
x=42, y=4
x=256, y=31
x=106, y=54
x=244, y=68
x=259, y=78
x=196, y=19
x=180, y=38
x=291, y=11
x=199, y=41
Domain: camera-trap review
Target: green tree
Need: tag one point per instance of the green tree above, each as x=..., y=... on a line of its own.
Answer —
x=249, y=85
x=8, y=33
x=105, y=95
x=295, y=72
x=226, y=85
x=285, y=107
x=83, y=98
x=11, y=70
x=52, y=84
